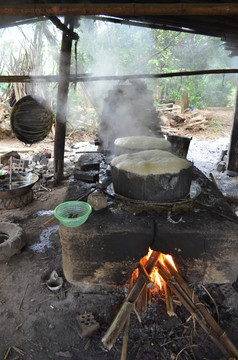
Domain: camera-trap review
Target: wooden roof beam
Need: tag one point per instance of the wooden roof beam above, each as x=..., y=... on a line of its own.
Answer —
x=87, y=78
x=120, y=9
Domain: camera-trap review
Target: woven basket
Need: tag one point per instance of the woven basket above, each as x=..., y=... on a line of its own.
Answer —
x=31, y=121
x=73, y=213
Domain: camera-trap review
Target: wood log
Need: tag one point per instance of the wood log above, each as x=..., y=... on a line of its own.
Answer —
x=128, y=305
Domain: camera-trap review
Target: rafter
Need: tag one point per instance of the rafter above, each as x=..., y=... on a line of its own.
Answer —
x=121, y=9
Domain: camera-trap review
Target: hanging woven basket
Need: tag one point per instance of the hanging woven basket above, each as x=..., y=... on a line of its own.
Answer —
x=31, y=121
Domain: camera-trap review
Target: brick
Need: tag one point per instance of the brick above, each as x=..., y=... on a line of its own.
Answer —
x=87, y=324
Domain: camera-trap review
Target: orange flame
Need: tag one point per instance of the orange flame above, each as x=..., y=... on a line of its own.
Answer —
x=155, y=276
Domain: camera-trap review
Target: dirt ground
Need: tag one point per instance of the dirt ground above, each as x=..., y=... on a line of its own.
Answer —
x=220, y=126
x=37, y=324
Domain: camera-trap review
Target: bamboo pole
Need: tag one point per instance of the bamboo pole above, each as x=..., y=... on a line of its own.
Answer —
x=142, y=303
x=88, y=77
x=126, y=331
x=207, y=316
x=145, y=24
x=118, y=9
x=128, y=305
x=202, y=309
x=125, y=339
x=169, y=301
x=147, y=278
x=189, y=305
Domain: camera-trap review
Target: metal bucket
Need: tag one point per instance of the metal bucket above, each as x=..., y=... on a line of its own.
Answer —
x=179, y=145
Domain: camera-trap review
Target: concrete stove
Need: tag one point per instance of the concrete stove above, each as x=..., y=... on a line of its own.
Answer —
x=200, y=233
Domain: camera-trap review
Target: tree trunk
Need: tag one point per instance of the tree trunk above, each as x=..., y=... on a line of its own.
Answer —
x=184, y=101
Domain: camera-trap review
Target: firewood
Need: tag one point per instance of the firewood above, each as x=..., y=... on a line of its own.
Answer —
x=142, y=302
x=197, y=117
x=192, y=124
x=202, y=309
x=169, y=301
x=126, y=329
x=147, y=278
x=190, y=306
x=180, y=288
x=125, y=339
x=128, y=305
x=197, y=122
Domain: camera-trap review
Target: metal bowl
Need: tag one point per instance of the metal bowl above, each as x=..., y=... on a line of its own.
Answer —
x=21, y=184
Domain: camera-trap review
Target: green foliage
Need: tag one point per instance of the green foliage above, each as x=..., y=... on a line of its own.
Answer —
x=3, y=88
x=189, y=52
x=216, y=125
x=112, y=49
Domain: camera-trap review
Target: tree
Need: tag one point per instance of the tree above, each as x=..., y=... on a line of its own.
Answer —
x=194, y=52
x=113, y=49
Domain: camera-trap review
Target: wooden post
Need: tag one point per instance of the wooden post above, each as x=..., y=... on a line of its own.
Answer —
x=62, y=97
x=232, y=166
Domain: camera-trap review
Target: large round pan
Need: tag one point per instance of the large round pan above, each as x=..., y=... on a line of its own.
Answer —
x=21, y=184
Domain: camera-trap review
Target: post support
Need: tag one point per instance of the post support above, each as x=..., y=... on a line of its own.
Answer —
x=232, y=165
x=62, y=98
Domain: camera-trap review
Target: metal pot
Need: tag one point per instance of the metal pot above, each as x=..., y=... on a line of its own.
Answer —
x=156, y=188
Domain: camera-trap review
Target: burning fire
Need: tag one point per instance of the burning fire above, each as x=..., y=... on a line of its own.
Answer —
x=155, y=275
